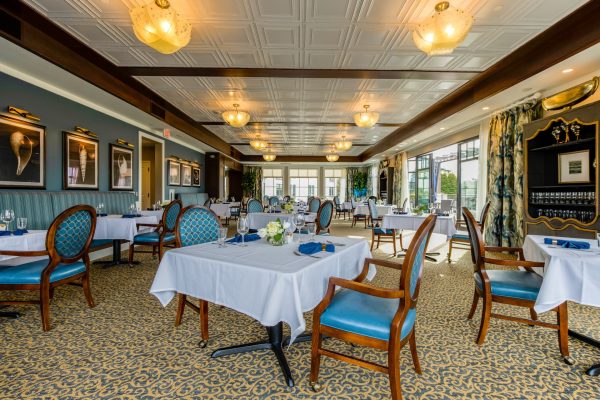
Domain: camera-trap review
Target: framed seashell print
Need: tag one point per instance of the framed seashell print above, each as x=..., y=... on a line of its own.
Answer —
x=195, y=176
x=80, y=162
x=22, y=154
x=121, y=167
x=186, y=175
x=174, y=169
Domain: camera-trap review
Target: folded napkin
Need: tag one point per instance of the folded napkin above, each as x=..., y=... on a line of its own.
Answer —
x=102, y=215
x=20, y=232
x=131, y=215
x=567, y=244
x=315, y=247
x=5, y=233
x=248, y=237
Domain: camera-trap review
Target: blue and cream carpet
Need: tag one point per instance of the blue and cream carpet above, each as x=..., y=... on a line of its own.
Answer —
x=127, y=348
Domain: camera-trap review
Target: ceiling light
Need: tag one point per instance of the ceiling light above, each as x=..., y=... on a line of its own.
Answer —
x=332, y=157
x=157, y=25
x=236, y=118
x=442, y=128
x=366, y=119
x=566, y=71
x=485, y=108
x=443, y=31
x=258, y=144
x=343, y=145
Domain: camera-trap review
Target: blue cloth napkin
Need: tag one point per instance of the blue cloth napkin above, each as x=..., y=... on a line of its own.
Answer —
x=568, y=244
x=248, y=237
x=5, y=233
x=131, y=215
x=315, y=247
x=102, y=215
x=20, y=232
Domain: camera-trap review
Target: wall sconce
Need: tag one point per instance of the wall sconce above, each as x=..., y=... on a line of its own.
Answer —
x=23, y=113
x=85, y=131
x=125, y=143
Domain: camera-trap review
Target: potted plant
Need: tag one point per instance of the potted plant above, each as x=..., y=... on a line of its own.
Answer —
x=249, y=183
x=360, y=184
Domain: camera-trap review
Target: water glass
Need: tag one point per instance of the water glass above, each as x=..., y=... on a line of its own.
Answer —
x=312, y=229
x=7, y=217
x=242, y=228
x=21, y=224
x=222, y=237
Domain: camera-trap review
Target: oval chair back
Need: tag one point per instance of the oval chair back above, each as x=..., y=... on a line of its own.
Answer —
x=254, y=206
x=170, y=215
x=336, y=201
x=374, y=198
x=314, y=204
x=483, y=216
x=273, y=201
x=197, y=224
x=286, y=199
x=372, y=209
x=324, y=217
x=70, y=236
x=476, y=238
x=207, y=203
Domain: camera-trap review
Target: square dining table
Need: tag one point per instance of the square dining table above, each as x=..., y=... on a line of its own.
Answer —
x=269, y=283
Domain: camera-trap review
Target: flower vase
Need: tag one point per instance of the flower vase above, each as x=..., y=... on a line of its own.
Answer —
x=277, y=242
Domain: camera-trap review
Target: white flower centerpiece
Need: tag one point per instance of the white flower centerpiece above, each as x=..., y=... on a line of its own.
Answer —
x=275, y=232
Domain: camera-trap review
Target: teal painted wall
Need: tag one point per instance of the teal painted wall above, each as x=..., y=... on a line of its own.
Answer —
x=60, y=114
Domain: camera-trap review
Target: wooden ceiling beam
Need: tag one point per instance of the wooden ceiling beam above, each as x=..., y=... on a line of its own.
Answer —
x=294, y=123
x=300, y=159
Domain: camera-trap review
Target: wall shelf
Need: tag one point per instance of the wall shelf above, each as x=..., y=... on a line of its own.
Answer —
x=571, y=143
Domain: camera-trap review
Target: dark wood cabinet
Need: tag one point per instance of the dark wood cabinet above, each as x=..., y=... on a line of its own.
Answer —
x=386, y=185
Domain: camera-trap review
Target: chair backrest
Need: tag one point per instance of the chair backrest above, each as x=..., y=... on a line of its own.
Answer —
x=286, y=198
x=324, y=216
x=446, y=205
x=314, y=204
x=336, y=201
x=373, y=198
x=273, y=201
x=71, y=233
x=412, y=267
x=352, y=203
x=372, y=208
x=483, y=216
x=170, y=215
x=254, y=206
x=197, y=224
x=476, y=239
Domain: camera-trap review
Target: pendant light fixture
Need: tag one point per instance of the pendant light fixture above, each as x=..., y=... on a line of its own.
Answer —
x=332, y=157
x=235, y=117
x=268, y=156
x=343, y=145
x=443, y=31
x=258, y=144
x=366, y=119
x=157, y=25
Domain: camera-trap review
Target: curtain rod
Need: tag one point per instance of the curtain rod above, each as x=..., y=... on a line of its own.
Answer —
x=534, y=96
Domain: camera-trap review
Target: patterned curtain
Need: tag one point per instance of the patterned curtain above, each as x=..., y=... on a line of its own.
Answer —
x=257, y=181
x=369, y=171
x=505, y=175
x=398, y=179
x=350, y=171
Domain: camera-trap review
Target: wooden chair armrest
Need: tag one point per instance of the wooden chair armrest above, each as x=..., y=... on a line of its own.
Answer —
x=149, y=225
x=383, y=263
x=365, y=288
x=510, y=250
x=514, y=263
x=19, y=253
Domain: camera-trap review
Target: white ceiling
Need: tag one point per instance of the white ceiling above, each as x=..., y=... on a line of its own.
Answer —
x=331, y=34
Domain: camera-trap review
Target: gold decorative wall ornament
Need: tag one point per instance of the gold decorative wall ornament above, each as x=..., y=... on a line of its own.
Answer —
x=23, y=113
x=157, y=25
x=568, y=98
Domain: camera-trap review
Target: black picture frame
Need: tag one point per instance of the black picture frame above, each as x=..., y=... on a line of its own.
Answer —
x=186, y=175
x=121, y=175
x=80, y=162
x=196, y=181
x=22, y=154
x=174, y=169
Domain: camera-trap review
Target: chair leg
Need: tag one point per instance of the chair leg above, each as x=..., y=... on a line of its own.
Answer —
x=413, y=352
x=315, y=358
x=474, y=304
x=533, y=314
x=401, y=245
x=394, y=371
x=372, y=240
x=85, y=284
x=394, y=243
x=131, y=251
x=160, y=251
x=180, y=308
x=203, y=306
x=450, y=252
x=45, y=306
x=563, y=329
x=378, y=240
x=486, y=312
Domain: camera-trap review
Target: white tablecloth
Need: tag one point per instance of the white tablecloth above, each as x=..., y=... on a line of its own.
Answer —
x=346, y=205
x=222, y=210
x=260, y=220
x=115, y=227
x=31, y=241
x=568, y=274
x=443, y=225
x=381, y=210
x=268, y=283
x=155, y=213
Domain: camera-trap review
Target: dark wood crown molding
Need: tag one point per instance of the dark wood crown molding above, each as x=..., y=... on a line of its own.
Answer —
x=299, y=159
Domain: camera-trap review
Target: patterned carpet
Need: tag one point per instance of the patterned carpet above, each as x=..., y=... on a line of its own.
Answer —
x=127, y=348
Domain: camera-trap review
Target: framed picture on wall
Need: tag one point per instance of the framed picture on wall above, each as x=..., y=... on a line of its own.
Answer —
x=174, y=169
x=121, y=167
x=195, y=176
x=80, y=162
x=186, y=175
x=22, y=154
x=574, y=167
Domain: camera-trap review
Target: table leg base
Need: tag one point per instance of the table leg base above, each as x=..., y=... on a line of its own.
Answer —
x=274, y=343
x=116, y=257
x=594, y=370
x=9, y=314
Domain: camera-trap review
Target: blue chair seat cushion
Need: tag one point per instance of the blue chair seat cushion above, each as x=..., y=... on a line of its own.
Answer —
x=522, y=285
x=381, y=231
x=153, y=237
x=365, y=315
x=31, y=273
x=461, y=235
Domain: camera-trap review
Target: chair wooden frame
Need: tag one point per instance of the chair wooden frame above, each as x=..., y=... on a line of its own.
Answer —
x=321, y=228
x=379, y=236
x=162, y=230
x=395, y=344
x=356, y=218
x=182, y=300
x=479, y=258
x=338, y=207
x=465, y=244
x=45, y=287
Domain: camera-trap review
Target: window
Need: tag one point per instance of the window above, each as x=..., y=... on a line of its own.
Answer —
x=304, y=183
x=423, y=180
x=412, y=180
x=468, y=174
x=272, y=183
x=335, y=183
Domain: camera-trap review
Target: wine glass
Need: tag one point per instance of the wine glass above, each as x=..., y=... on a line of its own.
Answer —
x=21, y=223
x=222, y=237
x=312, y=230
x=7, y=217
x=242, y=228
x=299, y=221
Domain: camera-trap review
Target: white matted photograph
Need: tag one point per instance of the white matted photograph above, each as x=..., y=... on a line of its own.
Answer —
x=574, y=167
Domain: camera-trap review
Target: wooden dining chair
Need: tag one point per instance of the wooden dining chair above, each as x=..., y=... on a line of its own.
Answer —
x=274, y=201
x=339, y=210
x=314, y=204
x=377, y=232
x=254, y=206
x=67, y=244
x=357, y=217
x=460, y=239
x=372, y=316
x=324, y=217
x=513, y=287
x=196, y=225
x=163, y=234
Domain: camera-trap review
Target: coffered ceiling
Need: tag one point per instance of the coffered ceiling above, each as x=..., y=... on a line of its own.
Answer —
x=302, y=116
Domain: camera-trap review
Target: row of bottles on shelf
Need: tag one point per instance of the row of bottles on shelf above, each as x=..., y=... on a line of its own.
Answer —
x=581, y=215
x=563, y=198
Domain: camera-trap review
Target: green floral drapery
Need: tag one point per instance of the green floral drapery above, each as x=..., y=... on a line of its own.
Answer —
x=350, y=172
x=505, y=175
x=398, y=179
x=369, y=172
x=256, y=191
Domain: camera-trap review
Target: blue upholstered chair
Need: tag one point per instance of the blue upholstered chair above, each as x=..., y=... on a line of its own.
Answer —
x=163, y=234
x=67, y=244
x=254, y=206
x=461, y=239
x=513, y=287
x=274, y=201
x=196, y=225
x=378, y=233
x=357, y=217
x=314, y=204
x=373, y=316
x=324, y=217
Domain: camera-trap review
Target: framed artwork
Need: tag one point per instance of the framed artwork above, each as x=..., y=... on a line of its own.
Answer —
x=121, y=167
x=80, y=161
x=22, y=154
x=195, y=176
x=186, y=175
x=174, y=173
x=574, y=167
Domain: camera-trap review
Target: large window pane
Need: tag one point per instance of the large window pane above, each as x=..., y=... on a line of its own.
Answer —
x=304, y=183
x=335, y=183
x=272, y=183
